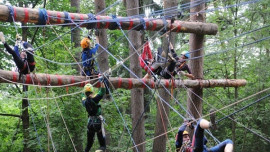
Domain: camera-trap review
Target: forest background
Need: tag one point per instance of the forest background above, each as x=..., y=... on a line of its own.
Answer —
x=227, y=57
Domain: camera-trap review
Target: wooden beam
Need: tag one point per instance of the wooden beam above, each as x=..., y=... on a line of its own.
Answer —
x=55, y=17
x=126, y=83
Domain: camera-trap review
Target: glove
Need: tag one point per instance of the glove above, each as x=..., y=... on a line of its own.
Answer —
x=181, y=73
x=18, y=37
x=189, y=120
x=2, y=37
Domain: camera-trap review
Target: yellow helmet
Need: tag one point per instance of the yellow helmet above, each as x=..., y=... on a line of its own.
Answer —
x=185, y=133
x=85, y=42
x=88, y=88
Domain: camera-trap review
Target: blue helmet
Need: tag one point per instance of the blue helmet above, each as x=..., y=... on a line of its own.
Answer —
x=186, y=54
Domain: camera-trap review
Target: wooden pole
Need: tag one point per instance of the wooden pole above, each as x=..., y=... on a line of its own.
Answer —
x=28, y=15
x=194, y=103
x=126, y=83
x=137, y=102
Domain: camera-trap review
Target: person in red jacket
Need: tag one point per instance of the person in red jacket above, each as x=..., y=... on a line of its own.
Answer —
x=153, y=67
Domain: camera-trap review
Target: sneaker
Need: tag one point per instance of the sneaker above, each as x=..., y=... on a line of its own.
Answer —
x=213, y=119
x=163, y=54
x=171, y=58
x=101, y=149
x=156, y=65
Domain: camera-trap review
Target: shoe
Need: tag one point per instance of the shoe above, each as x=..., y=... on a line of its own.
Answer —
x=213, y=119
x=163, y=54
x=101, y=149
x=171, y=58
x=156, y=65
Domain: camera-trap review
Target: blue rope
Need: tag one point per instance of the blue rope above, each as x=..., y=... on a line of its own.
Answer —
x=243, y=108
x=91, y=17
x=67, y=17
x=140, y=80
x=161, y=84
x=226, y=50
x=11, y=17
x=43, y=17
x=142, y=22
x=11, y=13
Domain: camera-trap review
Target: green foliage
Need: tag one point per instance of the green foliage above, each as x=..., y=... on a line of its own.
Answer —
x=249, y=62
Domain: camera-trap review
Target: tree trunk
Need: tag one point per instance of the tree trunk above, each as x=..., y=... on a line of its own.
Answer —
x=75, y=33
x=163, y=113
x=25, y=104
x=137, y=102
x=235, y=71
x=194, y=103
x=75, y=38
x=25, y=121
x=159, y=144
x=102, y=58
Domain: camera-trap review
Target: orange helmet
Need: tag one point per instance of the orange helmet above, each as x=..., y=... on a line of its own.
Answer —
x=85, y=42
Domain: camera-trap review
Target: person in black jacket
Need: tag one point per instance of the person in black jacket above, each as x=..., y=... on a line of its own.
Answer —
x=95, y=120
x=24, y=60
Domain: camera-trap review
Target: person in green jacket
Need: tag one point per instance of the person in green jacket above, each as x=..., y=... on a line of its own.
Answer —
x=95, y=120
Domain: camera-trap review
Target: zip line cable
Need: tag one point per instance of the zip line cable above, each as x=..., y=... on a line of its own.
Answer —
x=262, y=91
x=243, y=108
x=234, y=104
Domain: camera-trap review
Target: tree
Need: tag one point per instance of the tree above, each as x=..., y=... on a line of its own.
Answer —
x=137, y=104
x=162, y=115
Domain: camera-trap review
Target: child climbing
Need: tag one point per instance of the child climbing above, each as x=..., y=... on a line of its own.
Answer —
x=24, y=59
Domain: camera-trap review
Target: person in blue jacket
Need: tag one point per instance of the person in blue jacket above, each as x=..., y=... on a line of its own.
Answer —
x=88, y=60
x=198, y=144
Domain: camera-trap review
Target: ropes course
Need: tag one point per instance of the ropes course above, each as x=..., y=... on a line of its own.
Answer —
x=123, y=23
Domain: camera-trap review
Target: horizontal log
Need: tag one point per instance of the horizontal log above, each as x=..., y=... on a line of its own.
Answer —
x=103, y=22
x=125, y=83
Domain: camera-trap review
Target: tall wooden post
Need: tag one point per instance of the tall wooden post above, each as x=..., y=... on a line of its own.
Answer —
x=163, y=113
x=25, y=104
x=103, y=39
x=194, y=103
x=137, y=104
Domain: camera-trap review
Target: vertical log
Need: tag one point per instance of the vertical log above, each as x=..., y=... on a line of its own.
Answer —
x=103, y=61
x=75, y=39
x=75, y=33
x=25, y=104
x=162, y=113
x=194, y=103
x=235, y=71
x=137, y=104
